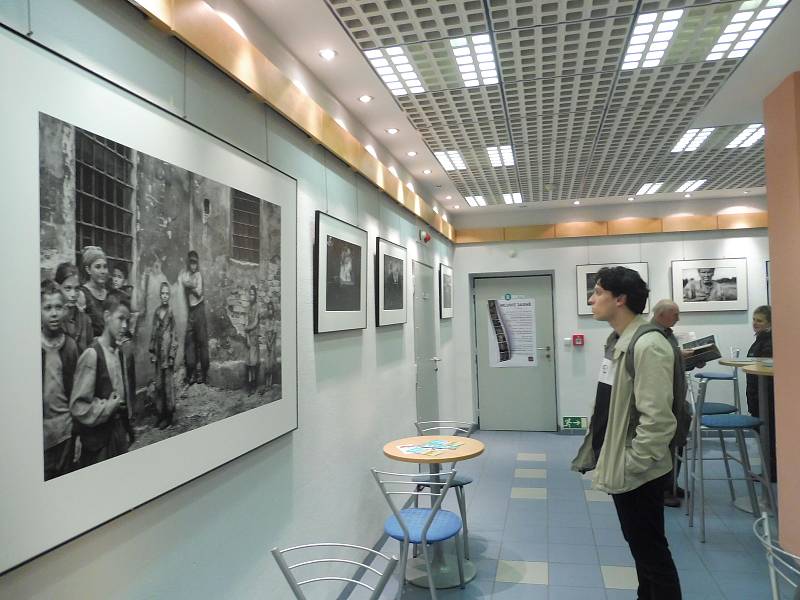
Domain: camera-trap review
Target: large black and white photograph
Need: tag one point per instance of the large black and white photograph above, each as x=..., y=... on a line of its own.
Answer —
x=586, y=279
x=340, y=275
x=445, y=291
x=390, y=291
x=160, y=299
x=710, y=285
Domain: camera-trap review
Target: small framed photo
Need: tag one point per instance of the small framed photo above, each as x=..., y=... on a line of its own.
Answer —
x=340, y=275
x=445, y=291
x=390, y=283
x=768, y=295
x=710, y=285
x=586, y=278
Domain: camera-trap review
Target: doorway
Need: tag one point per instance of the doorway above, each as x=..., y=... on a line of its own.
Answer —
x=515, y=353
x=425, y=358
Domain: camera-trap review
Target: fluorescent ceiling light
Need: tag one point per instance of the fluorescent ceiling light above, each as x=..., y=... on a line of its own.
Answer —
x=501, y=156
x=649, y=188
x=748, y=136
x=475, y=201
x=469, y=51
x=327, y=54
x=395, y=70
x=515, y=198
x=650, y=39
x=744, y=28
x=691, y=185
x=692, y=139
x=451, y=160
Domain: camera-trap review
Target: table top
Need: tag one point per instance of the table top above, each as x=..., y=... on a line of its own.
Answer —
x=736, y=362
x=759, y=369
x=469, y=448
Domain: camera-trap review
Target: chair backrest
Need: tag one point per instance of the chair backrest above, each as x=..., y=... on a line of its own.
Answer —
x=410, y=484
x=782, y=564
x=362, y=569
x=462, y=428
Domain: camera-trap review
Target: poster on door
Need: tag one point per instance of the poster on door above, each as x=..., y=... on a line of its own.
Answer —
x=512, y=332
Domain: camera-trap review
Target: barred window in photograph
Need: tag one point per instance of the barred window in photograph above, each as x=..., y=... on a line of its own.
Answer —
x=246, y=227
x=103, y=213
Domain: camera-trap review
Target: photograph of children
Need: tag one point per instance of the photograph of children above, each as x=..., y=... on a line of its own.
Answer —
x=709, y=284
x=392, y=283
x=160, y=298
x=343, y=284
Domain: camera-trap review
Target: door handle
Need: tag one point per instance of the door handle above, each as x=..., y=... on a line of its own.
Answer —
x=435, y=360
x=547, y=351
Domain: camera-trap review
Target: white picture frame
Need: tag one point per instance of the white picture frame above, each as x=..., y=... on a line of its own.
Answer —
x=717, y=284
x=340, y=275
x=585, y=276
x=391, y=262
x=445, y=291
x=103, y=491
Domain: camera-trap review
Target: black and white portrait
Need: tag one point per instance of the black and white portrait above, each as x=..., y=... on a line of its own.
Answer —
x=159, y=311
x=445, y=291
x=710, y=285
x=586, y=279
x=390, y=290
x=343, y=283
x=392, y=283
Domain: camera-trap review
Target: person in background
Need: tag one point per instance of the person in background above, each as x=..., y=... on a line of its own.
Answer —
x=270, y=339
x=705, y=289
x=76, y=323
x=251, y=338
x=163, y=347
x=762, y=348
x=95, y=266
x=59, y=360
x=632, y=425
x=101, y=390
x=196, y=340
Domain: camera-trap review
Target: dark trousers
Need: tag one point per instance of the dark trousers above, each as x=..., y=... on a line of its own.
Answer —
x=641, y=515
x=196, y=342
x=58, y=459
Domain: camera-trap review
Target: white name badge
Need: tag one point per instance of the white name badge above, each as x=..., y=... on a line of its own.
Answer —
x=607, y=371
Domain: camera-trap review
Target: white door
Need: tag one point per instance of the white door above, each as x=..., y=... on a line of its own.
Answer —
x=427, y=363
x=515, y=398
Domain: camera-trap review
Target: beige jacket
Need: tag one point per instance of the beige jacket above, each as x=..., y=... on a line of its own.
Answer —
x=640, y=419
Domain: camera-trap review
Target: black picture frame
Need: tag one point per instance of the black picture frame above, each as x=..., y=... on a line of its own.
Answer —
x=391, y=275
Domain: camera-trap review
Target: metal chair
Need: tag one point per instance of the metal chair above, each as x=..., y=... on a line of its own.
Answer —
x=422, y=526
x=457, y=428
x=783, y=566
x=361, y=567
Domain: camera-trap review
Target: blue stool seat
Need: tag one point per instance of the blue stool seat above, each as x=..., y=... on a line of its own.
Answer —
x=458, y=480
x=718, y=408
x=714, y=375
x=445, y=525
x=730, y=421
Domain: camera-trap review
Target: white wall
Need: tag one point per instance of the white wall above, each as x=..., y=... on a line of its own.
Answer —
x=210, y=538
x=577, y=367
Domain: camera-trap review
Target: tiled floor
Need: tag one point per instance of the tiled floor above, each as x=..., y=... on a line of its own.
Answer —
x=538, y=532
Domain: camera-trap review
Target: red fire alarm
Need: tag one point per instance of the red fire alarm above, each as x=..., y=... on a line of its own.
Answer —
x=577, y=339
x=424, y=236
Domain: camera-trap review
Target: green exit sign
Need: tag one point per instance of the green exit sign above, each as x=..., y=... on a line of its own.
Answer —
x=574, y=422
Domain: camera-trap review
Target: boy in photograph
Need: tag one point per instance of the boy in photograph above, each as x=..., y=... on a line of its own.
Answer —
x=59, y=360
x=102, y=390
x=162, y=354
x=196, y=340
x=77, y=323
x=705, y=289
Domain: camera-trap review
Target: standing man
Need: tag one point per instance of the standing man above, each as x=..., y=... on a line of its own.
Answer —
x=196, y=340
x=627, y=443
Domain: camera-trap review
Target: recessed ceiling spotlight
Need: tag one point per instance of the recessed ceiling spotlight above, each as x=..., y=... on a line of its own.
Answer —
x=365, y=98
x=456, y=206
x=746, y=192
x=687, y=195
x=450, y=197
x=328, y=54
x=630, y=198
x=427, y=171
x=392, y=130
x=411, y=153
x=577, y=202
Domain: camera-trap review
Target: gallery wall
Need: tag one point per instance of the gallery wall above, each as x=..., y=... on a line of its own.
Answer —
x=356, y=390
x=577, y=368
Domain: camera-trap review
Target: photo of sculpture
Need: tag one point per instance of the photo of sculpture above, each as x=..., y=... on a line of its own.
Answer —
x=343, y=283
x=392, y=282
x=160, y=299
x=447, y=290
x=710, y=284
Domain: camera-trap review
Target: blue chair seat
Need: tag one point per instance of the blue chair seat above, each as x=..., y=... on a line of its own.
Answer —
x=718, y=408
x=715, y=375
x=458, y=480
x=445, y=525
x=730, y=421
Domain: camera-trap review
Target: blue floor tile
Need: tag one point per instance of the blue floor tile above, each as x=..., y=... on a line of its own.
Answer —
x=577, y=593
x=570, y=535
x=526, y=550
x=575, y=575
x=571, y=553
x=623, y=595
x=615, y=556
x=518, y=591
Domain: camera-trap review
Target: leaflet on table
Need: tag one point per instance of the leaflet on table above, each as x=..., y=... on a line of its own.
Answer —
x=432, y=448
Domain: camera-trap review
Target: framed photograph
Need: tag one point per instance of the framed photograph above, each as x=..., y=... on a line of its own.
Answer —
x=340, y=275
x=154, y=304
x=445, y=291
x=768, y=295
x=586, y=278
x=710, y=285
x=390, y=283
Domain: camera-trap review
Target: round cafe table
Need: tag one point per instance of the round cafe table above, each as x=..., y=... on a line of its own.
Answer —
x=444, y=565
x=764, y=372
